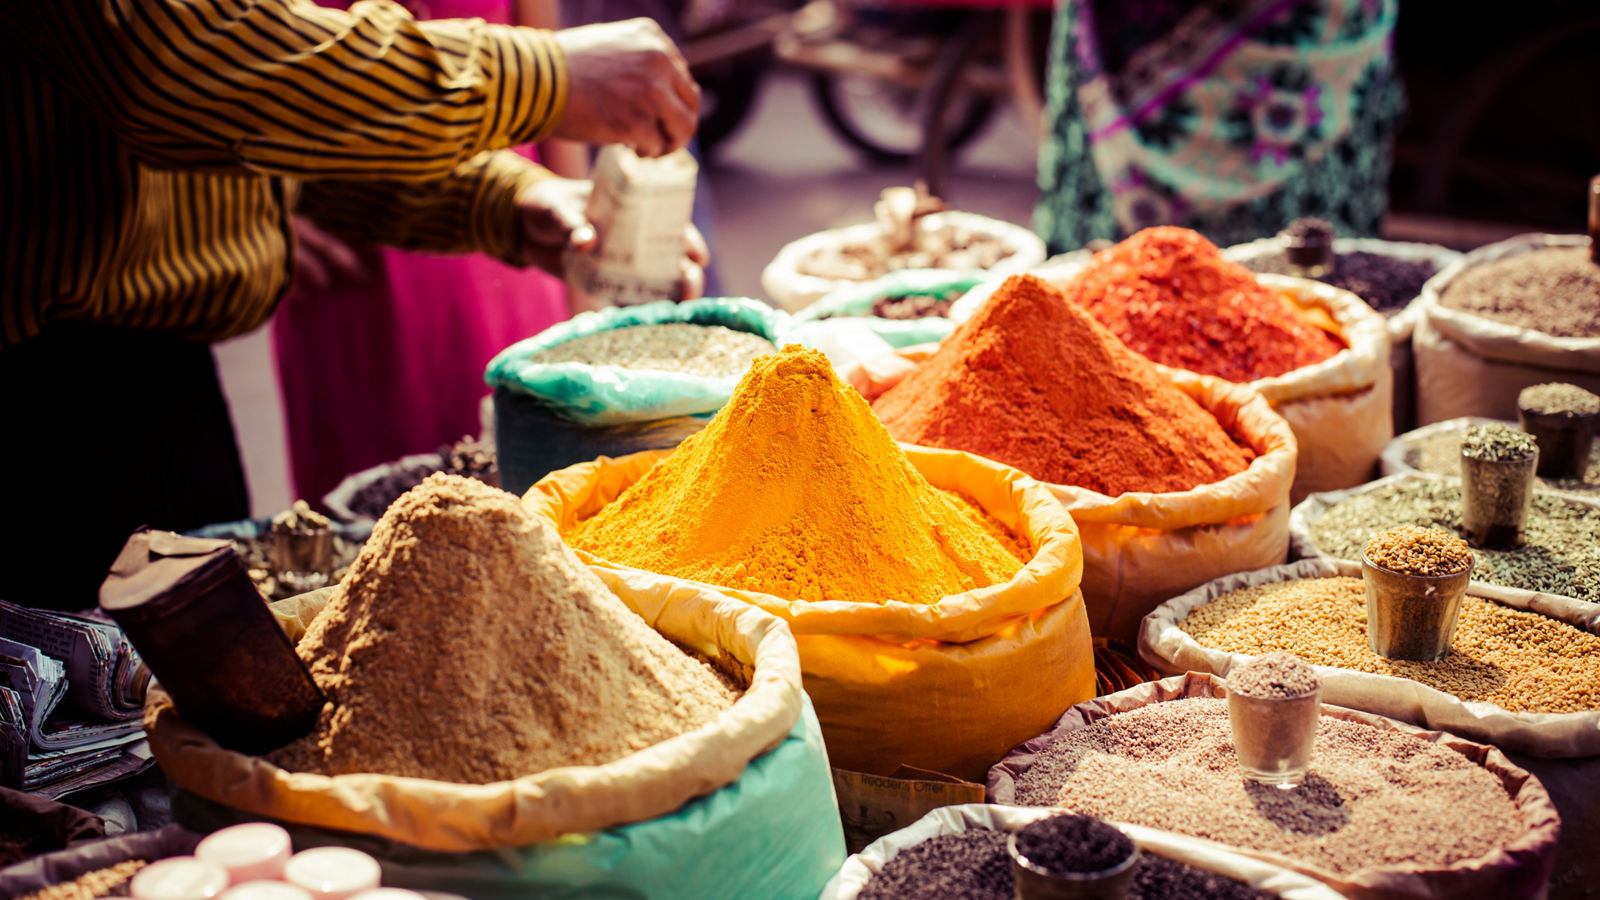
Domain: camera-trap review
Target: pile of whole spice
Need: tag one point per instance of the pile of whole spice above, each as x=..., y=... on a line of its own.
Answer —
x=1566, y=400
x=99, y=883
x=1516, y=659
x=1440, y=454
x=712, y=351
x=796, y=490
x=1555, y=290
x=468, y=456
x=1034, y=382
x=1411, y=550
x=1273, y=676
x=468, y=644
x=916, y=306
x=1167, y=293
x=1073, y=844
x=1560, y=551
x=1497, y=443
x=973, y=865
x=1387, y=283
x=907, y=240
x=1373, y=797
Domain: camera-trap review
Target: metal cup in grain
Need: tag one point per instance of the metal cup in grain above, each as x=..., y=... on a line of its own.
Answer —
x=1495, y=496
x=1565, y=440
x=303, y=558
x=1412, y=616
x=1035, y=882
x=1273, y=736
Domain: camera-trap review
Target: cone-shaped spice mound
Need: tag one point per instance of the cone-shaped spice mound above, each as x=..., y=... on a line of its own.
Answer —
x=796, y=490
x=1032, y=381
x=469, y=644
x=1168, y=294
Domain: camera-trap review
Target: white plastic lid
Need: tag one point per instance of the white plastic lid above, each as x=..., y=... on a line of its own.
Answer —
x=332, y=873
x=389, y=894
x=256, y=851
x=179, y=878
x=265, y=890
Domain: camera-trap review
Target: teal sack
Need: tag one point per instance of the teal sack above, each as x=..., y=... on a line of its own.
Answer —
x=611, y=395
x=856, y=301
x=774, y=833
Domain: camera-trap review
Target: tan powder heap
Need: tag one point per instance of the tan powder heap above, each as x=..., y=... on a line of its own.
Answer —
x=469, y=644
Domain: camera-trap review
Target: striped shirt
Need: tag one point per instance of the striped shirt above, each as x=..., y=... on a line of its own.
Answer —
x=150, y=150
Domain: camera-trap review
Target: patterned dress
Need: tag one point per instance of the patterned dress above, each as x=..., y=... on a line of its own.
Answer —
x=1232, y=117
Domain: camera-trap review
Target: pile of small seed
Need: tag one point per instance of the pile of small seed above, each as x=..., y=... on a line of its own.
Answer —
x=1074, y=844
x=1555, y=290
x=1558, y=400
x=709, y=350
x=1441, y=454
x=1411, y=550
x=1515, y=659
x=1497, y=443
x=973, y=865
x=916, y=306
x=1387, y=283
x=98, y=883
x=1560, y=551
x=1373, y=798
x=1273, y=676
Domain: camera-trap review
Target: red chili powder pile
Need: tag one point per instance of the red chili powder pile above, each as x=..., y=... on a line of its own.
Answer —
x=1036, y=383
x=1168, y=294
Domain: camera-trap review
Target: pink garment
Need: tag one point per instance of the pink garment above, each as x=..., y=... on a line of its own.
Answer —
x=394, y=365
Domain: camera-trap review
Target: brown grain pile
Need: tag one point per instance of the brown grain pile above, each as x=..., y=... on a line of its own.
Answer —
x=1273, y=676
x=1516, y=659
x=1373, y=797
x=1411, y=550
x=469, y=644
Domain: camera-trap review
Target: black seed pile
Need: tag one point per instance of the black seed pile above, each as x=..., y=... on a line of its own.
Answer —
x=1071, y=843
x=972, y=865
x=915, y=306
x=1385, y=282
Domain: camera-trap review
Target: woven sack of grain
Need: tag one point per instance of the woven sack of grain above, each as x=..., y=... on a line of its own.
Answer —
x=947, y=686
x=1140, y=548
x=63, y=867
x=1339, y=409
x=1402, y=364
x=1208, y=855
x=1561, y=749
x=749, y=795
x=1518, y=869
x=1468, y=365
x=549, y=415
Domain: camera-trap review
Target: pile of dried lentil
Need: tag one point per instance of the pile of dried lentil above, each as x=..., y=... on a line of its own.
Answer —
x=709, y=350
x=973, y=865
x=1440, y=454
x=1373, y=798
x=1428, y=552
x=1560, y=553
x=1516, y=659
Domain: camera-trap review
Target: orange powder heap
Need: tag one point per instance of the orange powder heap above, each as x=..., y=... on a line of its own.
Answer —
x=1168, y=294
x=1032, y=381
x=796, y=490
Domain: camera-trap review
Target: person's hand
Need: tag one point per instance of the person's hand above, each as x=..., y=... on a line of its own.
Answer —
x=555, y=225
x=322, y=260
x=629, y=85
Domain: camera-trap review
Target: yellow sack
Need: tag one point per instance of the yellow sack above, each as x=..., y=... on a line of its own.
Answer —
x=437, y=815
x=1140, y=548
x=947, y=686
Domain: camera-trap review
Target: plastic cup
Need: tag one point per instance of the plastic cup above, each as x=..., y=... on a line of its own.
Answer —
x=1564, y=441
x=1495, y=496
x=1412, y=616
x=1273, y=736
x=1035, y=882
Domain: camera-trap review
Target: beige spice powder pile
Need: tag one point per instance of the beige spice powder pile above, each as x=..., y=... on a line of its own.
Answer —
x=468, y=644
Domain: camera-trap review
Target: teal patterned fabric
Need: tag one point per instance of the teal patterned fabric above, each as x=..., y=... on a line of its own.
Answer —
x=1232, y=117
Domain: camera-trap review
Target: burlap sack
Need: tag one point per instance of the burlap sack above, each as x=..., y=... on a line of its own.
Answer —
x=1402, y=322
x=1141, y=547
x=1208, y=855
x=1306, y=513
x=1468, y=365
x=538, y=807
x=1520, y=869
x=946, y=686
x=1171, y=650
x=792, y=290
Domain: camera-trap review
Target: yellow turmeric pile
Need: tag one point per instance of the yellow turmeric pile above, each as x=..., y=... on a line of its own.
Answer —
x=796, y=490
